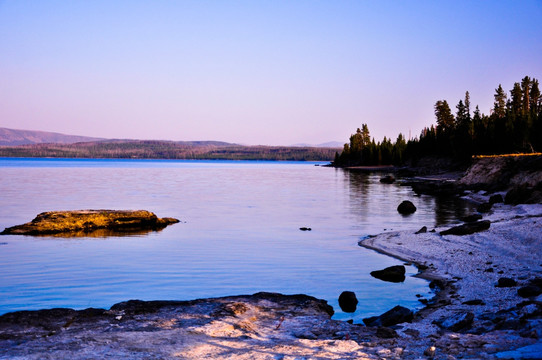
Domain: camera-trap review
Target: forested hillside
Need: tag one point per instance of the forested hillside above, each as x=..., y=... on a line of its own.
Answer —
x=125, y=149
x=513, y=126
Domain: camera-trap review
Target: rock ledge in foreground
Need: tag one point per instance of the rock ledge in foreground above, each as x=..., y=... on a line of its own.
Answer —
x=82, y=222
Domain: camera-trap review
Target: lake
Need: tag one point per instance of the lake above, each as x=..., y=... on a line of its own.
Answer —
x=239, y=233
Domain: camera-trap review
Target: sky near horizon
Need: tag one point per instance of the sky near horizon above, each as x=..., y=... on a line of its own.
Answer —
x=256, y=72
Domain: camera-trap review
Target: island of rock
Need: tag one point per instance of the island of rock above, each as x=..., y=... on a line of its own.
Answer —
x=81, y=222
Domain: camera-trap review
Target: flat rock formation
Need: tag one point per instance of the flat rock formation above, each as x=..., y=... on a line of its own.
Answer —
x=88, y=222
x=259, y=326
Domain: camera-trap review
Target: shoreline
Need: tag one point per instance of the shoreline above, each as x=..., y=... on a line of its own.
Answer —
x=469, y=268
x=264, y=326
x=468, y=317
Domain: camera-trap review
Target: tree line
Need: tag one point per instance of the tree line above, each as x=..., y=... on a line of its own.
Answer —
x=514, y=125
x=167, y=150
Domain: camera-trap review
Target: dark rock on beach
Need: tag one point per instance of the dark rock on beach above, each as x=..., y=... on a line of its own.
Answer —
x=348, y=301
x=506, y=282
x=474, y=302
x=394, y=274
x=484, y=207
x=524, y=194
x=397, y=315
x=87, y=222
x=423, y=230
x=468, y=228
x=497, y=198
x=406, y=207
x=529, y=291
x=387, y=179
x=456, y=322
x=471, y=218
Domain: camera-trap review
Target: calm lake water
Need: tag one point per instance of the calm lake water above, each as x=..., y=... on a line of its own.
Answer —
x=239, y=233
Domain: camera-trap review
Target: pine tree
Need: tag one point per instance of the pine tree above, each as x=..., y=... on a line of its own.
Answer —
x=467, y=104
x=445, y=119
x=499, y=106
x=525, y=89
x=534, y=98
x=515, y=100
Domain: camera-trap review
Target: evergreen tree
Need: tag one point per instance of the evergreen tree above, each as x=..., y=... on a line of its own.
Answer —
x=445, y=119
x=499, y=106
x=515, y=100
x=534, y=98
x=526, y=91
x=467, y=104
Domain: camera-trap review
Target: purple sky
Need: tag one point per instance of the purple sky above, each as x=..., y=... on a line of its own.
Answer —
x=256, y=72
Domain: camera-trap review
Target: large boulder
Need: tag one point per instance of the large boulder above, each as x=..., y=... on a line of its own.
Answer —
x=469, y=228
x=406, y=207
x=397, y=315
x=348, y=301
x=85, y=222
x=394, y=274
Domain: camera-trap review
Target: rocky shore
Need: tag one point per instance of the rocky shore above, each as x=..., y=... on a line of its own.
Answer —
x=488, y=304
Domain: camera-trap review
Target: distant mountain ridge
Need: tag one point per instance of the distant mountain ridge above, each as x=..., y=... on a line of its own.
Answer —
x=14, y=137
x=26, y=143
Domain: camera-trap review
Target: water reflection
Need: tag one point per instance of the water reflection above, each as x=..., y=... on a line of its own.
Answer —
x=100, y=233
x=451, y=208
x=371, y=201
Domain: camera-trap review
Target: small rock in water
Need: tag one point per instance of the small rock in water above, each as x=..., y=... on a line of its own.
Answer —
x=406, y=207
x=394, y=274
x=305, y=229
x=437, y=283
x=348, y=301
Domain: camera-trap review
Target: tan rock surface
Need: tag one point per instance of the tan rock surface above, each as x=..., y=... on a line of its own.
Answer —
x=87, y=222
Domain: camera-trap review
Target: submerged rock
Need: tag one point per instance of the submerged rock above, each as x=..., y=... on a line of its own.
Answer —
x=348, y=301
x=469, y=228
x=392, y=274
x=406, y=207
x=86, y=222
